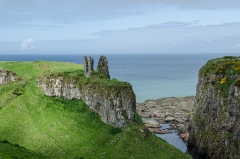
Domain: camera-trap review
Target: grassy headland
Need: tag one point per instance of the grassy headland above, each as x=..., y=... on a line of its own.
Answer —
x=33, y=125
x=222, y=71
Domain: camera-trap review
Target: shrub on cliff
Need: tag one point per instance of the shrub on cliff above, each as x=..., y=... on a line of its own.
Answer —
x=222, y=72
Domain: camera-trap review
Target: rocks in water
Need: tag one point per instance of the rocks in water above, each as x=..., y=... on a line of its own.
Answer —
x=158, y=131
x=169, y=118
x=159, y=115
x=184, y=136
x=88, y=66
x=151, y=123
x=175, y=111
x=103, y=67
x=172, y=110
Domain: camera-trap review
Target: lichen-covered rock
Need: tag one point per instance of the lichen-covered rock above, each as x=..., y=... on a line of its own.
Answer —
x=103, y=66
x=7, y=76
x=214, y=130
x=115, y=105
x=57, y=87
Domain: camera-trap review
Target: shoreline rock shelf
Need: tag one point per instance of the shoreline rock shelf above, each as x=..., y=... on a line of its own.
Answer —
x=172, y=110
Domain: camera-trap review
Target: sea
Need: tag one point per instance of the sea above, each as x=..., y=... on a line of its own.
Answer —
x=152, y=76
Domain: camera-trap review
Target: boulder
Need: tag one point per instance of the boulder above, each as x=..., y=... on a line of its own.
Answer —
x=184, y=136
x=157, y=131
x=178, y=115
x=159, y=115
x=144, y=114
x=169, y=118
x=151, y=123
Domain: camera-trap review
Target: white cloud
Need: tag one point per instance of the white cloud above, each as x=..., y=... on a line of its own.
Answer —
x=27, y=44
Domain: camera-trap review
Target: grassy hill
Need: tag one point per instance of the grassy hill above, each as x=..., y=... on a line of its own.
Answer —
x=33, y=125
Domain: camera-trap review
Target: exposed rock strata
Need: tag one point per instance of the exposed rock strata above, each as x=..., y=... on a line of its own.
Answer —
x=214, y=131
x=115, y=105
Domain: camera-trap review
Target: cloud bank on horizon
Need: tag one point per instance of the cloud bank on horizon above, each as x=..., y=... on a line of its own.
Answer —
x=136, y=26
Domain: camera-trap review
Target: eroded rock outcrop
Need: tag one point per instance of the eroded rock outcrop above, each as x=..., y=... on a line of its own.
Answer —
x=7, y=76
x=115, y=105
x=214, y=130
x=113, y=100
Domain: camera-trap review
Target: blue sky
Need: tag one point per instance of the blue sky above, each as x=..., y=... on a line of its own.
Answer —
x=119, y=26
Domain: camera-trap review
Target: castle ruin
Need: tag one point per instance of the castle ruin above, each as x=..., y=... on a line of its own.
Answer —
x=102, y=67
x=88, y=66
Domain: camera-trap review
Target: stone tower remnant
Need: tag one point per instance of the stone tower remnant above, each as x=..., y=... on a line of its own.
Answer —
x=88, y=66
x=103, y=66
x=85, y=64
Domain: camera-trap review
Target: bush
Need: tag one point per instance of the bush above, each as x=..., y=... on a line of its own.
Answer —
x=115, y=130
x=5, y=141
x=137, y=118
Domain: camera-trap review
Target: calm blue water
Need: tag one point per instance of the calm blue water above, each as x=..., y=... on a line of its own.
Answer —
x=172, y=138
x=152, y=76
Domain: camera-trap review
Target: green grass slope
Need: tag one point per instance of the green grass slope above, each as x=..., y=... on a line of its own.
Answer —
x=33, y=125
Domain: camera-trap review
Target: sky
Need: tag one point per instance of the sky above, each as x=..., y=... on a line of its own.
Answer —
x=119, y=26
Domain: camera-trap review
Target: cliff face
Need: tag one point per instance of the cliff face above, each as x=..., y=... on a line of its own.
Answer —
x=8, y=77
x=116, y=105
x=214, y=131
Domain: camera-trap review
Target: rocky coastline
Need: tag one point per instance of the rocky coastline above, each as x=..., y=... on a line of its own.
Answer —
x=214, y=129
x=175, y=111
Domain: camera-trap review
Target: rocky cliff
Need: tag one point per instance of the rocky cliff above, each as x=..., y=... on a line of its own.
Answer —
x=214, y=131
x=7, y=76
x=114, y=101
